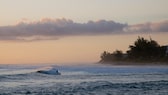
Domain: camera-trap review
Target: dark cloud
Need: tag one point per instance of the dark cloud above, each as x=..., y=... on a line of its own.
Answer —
x=51, y=29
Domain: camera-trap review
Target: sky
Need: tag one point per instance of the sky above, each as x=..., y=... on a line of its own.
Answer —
x=76, y=31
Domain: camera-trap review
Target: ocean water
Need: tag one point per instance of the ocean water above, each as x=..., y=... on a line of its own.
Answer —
x=84, y=80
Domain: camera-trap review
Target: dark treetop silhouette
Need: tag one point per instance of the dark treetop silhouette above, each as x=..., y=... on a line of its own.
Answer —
x=142, y=52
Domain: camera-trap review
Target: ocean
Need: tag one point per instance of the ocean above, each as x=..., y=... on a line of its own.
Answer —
x=84, y=80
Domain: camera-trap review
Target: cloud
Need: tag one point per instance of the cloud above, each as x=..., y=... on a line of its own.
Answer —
x=52, y=29
x=148, y=27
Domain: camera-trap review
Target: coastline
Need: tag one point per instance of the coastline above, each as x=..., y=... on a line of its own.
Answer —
x=133, y=63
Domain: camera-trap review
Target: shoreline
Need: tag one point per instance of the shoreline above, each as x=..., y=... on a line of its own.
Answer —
x=122, y=63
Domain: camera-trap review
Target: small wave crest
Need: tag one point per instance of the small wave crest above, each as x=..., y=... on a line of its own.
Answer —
x=94, y=88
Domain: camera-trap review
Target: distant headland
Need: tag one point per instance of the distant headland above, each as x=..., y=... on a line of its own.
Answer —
x=143, y=52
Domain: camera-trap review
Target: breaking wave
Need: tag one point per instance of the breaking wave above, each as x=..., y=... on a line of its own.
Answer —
x=86, y=80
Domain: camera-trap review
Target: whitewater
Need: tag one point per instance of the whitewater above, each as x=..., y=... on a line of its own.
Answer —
x=84, y=80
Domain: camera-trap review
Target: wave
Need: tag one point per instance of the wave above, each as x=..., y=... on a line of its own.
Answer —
x=93, y=88
x=94, y=69
x=85, y=80
x=52, y=71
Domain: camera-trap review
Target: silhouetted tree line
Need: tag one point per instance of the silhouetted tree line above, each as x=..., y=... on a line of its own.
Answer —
x=143, y=50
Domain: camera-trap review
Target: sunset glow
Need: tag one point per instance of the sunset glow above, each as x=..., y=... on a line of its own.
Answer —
x=76, y=31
